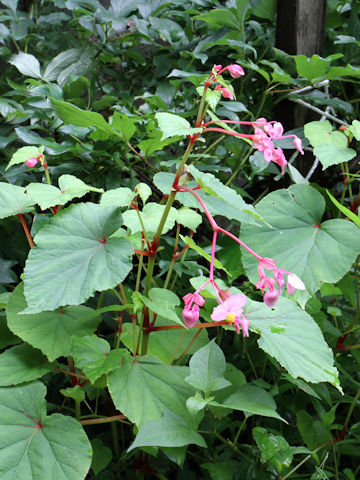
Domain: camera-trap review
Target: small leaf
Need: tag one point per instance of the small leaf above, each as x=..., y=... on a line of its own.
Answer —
x=13, y=200
x=23, y=154
x=188, y=218
x=93, y=355
x=119, y=197
x=76, y=393
x=207, y=368
x=34, y=445
x=102, y=456
x=144, y=191
x=168, y=431
x=330, y=154
x=22, y=363
x=150, y=215
x=60, y=62
x=124, y=125
x=173, y=125
x=163, y=302
x=274, y=449
x=69, y=113
x=26, y=64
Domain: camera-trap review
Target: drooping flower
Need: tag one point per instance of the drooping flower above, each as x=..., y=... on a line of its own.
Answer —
x=231, y=310
x=294, y=283
x=235, y=70
x=190, y=315
x=270, y=297
x=225, y=92
x=31, y=162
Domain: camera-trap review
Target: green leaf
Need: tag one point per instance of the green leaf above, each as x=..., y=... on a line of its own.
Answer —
x=189, y=241
x=320, y=133
x=312, y=68
x=294, y=339
x=313, y=432
x=102, y=456
x=296, y=238
x=36, y=446
x=144, y=191
x=74, y=256
x=76, y=393
x=355, y=129
x=348, y=213
x=22, y=363
x=168, y=431
x=273, y=447
x=188, y=218
x=250, y=399
x=124, y=125
x=60, y=62
x=119, y=197
x=26, y=64
x=219, y=17
x=159, y=387
x=207, y=368
x=163, y=302
x=69, y=113
x=13, y=200
x=23, y=154
x=150, y=215
x=330, y=154
x=167, y=345
x=173, y=125
x=92, y=354
x=7, y=338
x=51, y=332
x=69, y=187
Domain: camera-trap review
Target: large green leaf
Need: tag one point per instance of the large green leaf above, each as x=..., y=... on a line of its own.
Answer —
x=94, y=356
x=143, y=389
x=207, y=368
x=173, y=125
x=219, y=17
x=13, y=200
x=168, y=431
x=22, y=363
x=69, y=187
x=163, y=302
x=36, y=446
x=51, y=332
x=74, y=255
x=26, y=64
x=297, y=239
x=291, y=335
x=330, y=154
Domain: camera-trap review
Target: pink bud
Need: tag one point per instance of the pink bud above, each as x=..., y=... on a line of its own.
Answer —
x=270, y=297
x=294, y=283
x=31, y=162
x=190, y=317
x=244, y=322
x=298, y=145
x=226, y=93
x=236, y=71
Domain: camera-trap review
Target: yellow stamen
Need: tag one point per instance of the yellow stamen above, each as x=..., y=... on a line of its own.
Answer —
x=230, y=317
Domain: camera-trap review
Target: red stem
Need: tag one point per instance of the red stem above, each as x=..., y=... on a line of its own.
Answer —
x=198, y=325
x=26, y=230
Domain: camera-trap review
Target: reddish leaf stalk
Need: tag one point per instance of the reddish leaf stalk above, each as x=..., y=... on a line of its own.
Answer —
x=26, y=230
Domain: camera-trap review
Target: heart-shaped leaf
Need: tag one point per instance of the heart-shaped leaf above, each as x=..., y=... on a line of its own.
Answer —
x=74, y=255
x=173, y=125
x=13, y=200
x=36, y=446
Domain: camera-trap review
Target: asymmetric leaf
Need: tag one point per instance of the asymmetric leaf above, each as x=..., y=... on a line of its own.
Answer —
x=173, y=125
x=74, y=256
x=36, y=446
x=159, y=387
x=13, y=200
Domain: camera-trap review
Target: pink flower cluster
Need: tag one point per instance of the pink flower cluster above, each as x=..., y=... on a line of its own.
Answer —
x=272, y=294
x=265, y=132
x=235, y=71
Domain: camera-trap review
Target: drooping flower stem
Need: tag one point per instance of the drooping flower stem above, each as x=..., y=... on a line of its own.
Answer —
x=26, y=230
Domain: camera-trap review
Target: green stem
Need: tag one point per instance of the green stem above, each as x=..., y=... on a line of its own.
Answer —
x=173, y=260
x=95, y=421
x=305, y=460
x=47, y=176
x=115, y=437
x=77, y=410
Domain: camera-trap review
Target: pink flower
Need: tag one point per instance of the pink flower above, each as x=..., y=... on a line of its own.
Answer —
x=274, y=130
x=298, y=145
x=225, y=92
x=31, y=162
x=190, y=298
x=191, y=315
x=235, y=70
x=231, y=310
x=270, y=297
x=279, y=159
x=294, y=283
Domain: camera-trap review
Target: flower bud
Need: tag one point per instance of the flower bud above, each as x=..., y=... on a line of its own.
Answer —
x=31, y=162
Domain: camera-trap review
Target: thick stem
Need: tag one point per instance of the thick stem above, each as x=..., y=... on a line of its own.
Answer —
x=47, y=176
x=95, y=421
